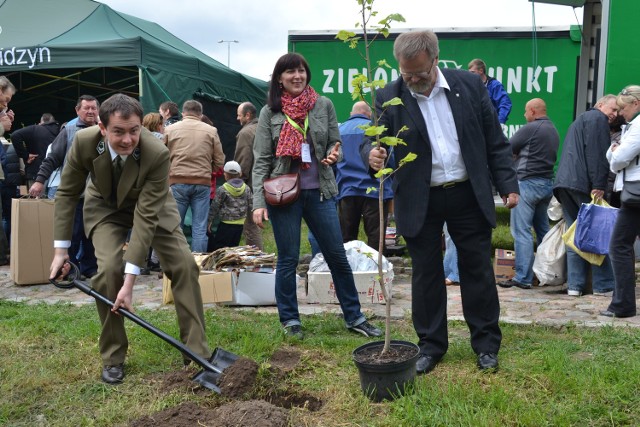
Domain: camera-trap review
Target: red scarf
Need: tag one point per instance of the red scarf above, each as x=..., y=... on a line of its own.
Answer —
x=290, y=142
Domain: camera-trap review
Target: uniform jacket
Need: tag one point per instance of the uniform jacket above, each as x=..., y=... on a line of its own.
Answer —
x=323, y=128
x=583, y=166
x=144, y=201
x=485, y=151
x=244, y=148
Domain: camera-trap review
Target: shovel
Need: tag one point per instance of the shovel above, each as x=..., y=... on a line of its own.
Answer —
x=211, y=369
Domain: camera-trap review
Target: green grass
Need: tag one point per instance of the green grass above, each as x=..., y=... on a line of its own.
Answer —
x=49, y=372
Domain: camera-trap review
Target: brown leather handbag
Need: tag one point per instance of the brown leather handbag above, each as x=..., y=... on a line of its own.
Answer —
x=282, y=190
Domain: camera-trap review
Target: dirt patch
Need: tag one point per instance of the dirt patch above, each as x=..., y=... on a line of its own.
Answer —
x=285, y=359
x=238, y=379
x=395, y=354
x=272, y=398
x=255, y=413
x=179, y=381
x=290, y=400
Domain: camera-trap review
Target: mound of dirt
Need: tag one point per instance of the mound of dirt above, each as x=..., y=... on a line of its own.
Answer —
x=270, y=409
x=238, y=379
x=254, y=413
x=185, y=415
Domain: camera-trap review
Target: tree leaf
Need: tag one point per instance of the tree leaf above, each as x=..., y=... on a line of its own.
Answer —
x=408, y=158
x=345, y=35
x=383, y=172
x=375, y=130
x=392, y=101
x=392, y=141
x=371, y=189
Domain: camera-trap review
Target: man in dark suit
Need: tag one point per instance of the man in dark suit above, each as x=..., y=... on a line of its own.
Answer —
x=461, y=151
x=140, y=201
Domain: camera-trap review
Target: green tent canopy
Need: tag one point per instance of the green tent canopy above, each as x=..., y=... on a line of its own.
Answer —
x=55, y=51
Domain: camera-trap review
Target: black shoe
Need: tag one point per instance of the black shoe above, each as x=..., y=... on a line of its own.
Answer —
x=367, y=329
x=426, y=363
x=511, y=283
x=608, y=313
x=154, y=266
x=294, y=331
x=487, y=361
x=144, y=271
x=113, y=374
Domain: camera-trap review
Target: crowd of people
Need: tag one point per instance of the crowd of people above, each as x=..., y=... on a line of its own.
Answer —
x=122, y=179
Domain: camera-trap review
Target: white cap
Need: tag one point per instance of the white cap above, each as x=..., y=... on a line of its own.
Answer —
x=232, y=168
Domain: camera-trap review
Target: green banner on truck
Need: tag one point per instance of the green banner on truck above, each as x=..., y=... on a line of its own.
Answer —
x=541, y=64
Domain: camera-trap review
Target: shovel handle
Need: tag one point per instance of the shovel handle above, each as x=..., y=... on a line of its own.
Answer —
x=67, y=282
x=72, y=281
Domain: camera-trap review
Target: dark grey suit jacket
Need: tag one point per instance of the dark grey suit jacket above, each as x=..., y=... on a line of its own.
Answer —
x=485, y=150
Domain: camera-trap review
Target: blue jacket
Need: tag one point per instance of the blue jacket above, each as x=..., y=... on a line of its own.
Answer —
x=499, y=99
x=352, y=175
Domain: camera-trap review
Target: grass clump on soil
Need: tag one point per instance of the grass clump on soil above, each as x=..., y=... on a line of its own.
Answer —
x=549, y=376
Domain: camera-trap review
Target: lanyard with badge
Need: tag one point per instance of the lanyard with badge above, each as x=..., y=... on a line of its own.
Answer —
x=305, y=151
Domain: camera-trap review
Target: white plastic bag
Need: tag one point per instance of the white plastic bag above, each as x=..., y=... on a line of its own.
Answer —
x=361, y=258
x=550, y=265
x=554, y=211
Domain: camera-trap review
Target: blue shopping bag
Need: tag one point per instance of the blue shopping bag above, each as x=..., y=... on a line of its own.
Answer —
x=594, y=226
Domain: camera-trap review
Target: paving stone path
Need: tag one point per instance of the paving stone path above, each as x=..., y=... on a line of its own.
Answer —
x=546, y=305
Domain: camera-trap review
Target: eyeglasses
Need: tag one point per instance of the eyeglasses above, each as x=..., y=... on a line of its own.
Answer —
x=421, y=75
x=627, y=92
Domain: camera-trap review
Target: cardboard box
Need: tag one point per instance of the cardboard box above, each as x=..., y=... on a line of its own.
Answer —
x=254, y=287
x=321, y=290
x=215, y=287
x=236, y=287
x=31, y=240
x=504, y=264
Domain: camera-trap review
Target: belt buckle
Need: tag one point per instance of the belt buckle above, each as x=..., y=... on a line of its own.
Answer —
x=449, y=184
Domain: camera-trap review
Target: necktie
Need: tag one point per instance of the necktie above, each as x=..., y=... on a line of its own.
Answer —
x=117, y=171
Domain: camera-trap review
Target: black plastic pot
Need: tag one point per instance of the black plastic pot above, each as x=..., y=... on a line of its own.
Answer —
x=390, y=380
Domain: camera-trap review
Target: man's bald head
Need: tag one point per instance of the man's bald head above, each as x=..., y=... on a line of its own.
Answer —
x=534, y=109
x=361, y=107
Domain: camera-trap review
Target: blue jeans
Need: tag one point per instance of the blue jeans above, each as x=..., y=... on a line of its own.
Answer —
x=51, y=192
x=450, y=261
x=535, y=195
x=577, y=267
x=315, y=247
x=197, y=197
x=322, y=218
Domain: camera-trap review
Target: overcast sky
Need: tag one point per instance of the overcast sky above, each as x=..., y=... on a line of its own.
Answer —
x=262, y=26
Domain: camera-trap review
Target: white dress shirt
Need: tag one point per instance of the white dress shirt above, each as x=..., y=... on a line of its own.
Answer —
x=446, y=160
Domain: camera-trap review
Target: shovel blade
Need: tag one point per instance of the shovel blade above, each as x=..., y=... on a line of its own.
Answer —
x=220, y=359
x=208, y=379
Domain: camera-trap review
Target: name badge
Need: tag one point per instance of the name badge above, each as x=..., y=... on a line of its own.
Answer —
x=306, y=153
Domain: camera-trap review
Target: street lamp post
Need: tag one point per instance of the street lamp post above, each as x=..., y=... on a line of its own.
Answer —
x=228, y=42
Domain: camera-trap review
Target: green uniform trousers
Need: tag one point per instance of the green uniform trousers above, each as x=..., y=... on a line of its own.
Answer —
x=179, y=266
